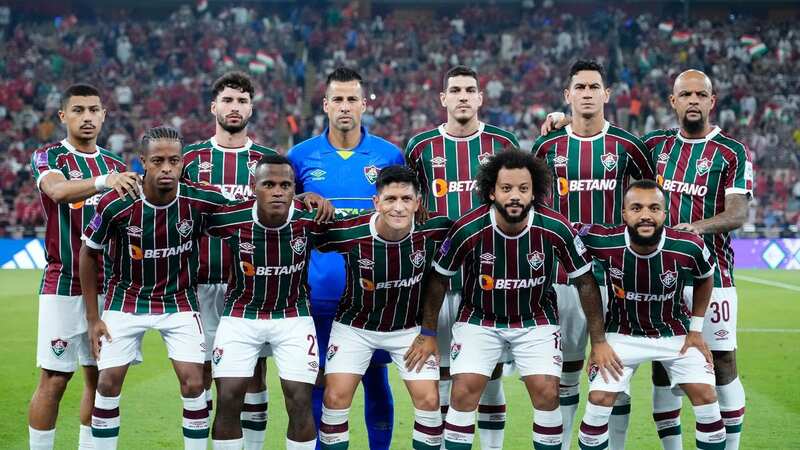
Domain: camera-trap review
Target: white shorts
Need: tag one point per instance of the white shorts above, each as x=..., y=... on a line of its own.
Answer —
x=211, y=298
x=293, y=340
x=444, y=328
x=573, y=321
x=350, y=350
x=634, y=350
x=62, y=341
x=477, y=349
x=181, y=331
x=719, y=328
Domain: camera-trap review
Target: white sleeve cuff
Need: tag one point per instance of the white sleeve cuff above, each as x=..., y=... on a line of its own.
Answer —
x=43, y=174
x=735, y=190
x=580, y=271
x=443, y=271
x=92, y=244
x=707, y=274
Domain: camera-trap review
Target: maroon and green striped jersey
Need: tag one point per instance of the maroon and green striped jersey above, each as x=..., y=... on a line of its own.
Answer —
x=697, y=174
x=447, y=167
x=66, y=221
x=591, y=173
x=153, y=271
x=231, y=170
x=384, y=278
x=270, y=264
x=646, y=291
x=508, y=279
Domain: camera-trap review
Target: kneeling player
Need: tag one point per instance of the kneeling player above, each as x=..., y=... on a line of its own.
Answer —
x=150, y=241
x=267, y=303
x=508, y=248
x=648, y=319
x=387, y=257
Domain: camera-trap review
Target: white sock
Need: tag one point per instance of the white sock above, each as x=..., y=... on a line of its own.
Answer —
x=444, y=396
x=667, y=416
x=195, y=422
x=294, y=445
x=85, y=437
x=492, y=415
x=709, y=430
x=428, y=429
x=731, y=403
x=41, y=439
x=105, y=422
x=547, y=428
x=618, y=423
x=569, y=397
x=254, y=419
x=227, y=444
x=594, y=427
x=459, y=428
x=333, y=428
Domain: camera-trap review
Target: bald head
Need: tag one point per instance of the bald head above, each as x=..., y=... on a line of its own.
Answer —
x=692, y=99
x=691, y=77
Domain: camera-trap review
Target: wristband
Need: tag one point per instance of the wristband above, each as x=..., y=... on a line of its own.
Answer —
x=100, y=183
x=696, y=324
x=427, y=332
x=556, y=116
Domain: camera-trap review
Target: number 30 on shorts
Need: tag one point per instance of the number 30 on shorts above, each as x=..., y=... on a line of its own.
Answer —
x=720, y=310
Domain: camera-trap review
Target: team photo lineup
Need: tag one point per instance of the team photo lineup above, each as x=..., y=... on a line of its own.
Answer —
x=471, y=259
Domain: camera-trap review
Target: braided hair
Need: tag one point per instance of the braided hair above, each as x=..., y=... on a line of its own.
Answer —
x=161, y=132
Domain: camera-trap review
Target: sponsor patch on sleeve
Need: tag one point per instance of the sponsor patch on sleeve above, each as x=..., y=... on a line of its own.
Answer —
x=96, y=221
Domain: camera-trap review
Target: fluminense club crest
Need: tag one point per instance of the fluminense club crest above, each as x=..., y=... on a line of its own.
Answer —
x=609, y=161
x=455, y=349
x=251, y=167
x=535, y=260
x=216, y=355
x=484, y=158
x=332, y=349
x=703, y=166
x=417, y=258
x=58, y=346
x=298, y=244
x=185, y=227
x=371, y=173
x=669, y=278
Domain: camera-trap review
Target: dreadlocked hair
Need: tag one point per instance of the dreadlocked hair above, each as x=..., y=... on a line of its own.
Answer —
x=162, y=132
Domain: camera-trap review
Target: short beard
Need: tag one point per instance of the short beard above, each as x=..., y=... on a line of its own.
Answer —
x=232, y=129
x=638, y=239
x=693, y=126
x=513, y=219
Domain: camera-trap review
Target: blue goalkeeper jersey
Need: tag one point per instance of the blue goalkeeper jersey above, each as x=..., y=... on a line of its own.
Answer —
x=347, y=179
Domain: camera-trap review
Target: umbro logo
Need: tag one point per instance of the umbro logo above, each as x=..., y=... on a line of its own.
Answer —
x=134, y=231
x=75, y=175
x=205, y=166
x=365, y=263
x=438, y=161
x=318, y=174
x=663, y=157
x=721, y=335
x=487, y=258
x=616, y=273
x=246, y=247
x=560, y=161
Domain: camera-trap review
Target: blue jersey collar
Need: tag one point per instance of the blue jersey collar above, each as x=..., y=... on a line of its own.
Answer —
x=360, y=148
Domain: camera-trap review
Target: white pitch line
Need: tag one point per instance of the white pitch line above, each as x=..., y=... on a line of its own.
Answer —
x=769, y=330
x=791, y=287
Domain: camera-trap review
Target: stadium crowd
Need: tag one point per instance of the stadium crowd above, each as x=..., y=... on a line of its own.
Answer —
x=159, y=71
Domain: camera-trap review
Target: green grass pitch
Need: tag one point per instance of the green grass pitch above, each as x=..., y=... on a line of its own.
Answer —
x=151, y=408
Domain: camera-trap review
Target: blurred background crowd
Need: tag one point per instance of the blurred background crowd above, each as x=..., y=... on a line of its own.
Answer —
x=156, y=66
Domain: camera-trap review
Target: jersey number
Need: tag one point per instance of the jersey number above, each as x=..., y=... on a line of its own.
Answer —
x=721, y=310
x=313, y=340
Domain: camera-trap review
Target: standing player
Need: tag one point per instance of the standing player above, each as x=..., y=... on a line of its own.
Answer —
x=227, y=161
x=267, y=302
x=342, y=164
x=708, y=178
x=387, y=257
x=446, y=161
x=70, y=176
x=648, y=319
x=152, y=285
x=591, y=163
x=508, y=247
